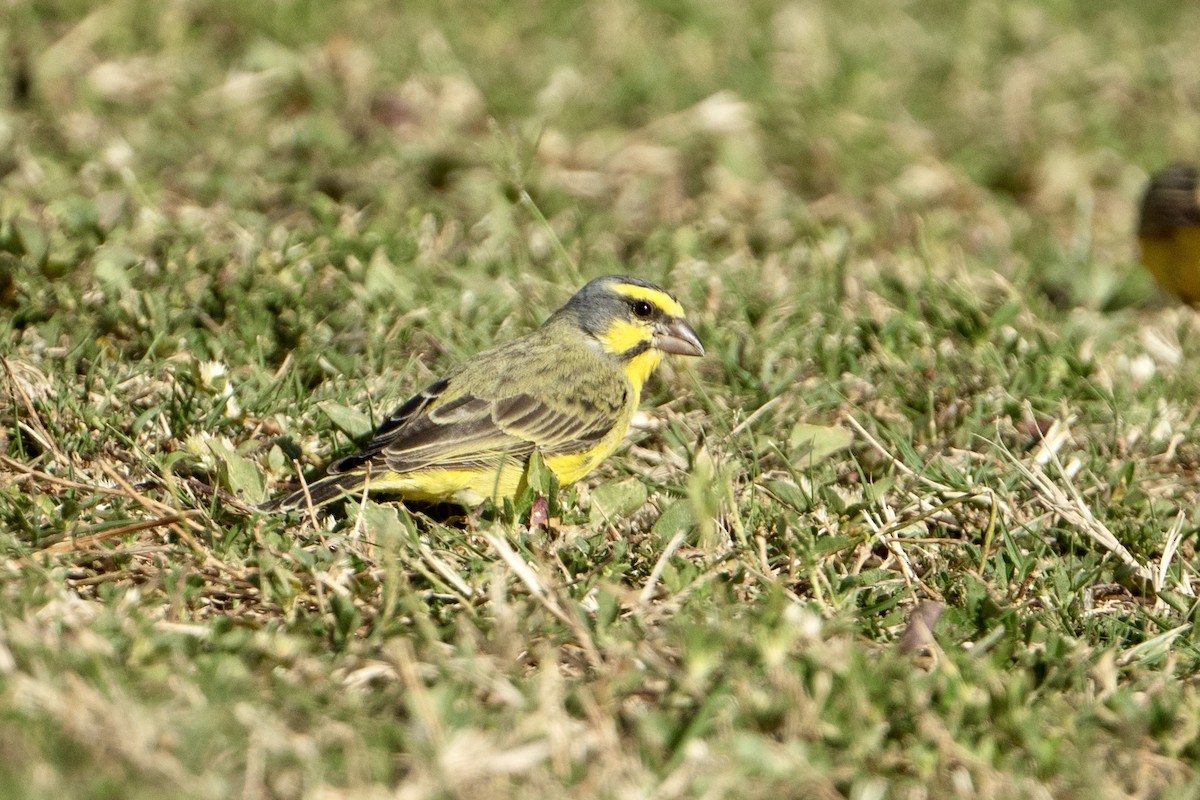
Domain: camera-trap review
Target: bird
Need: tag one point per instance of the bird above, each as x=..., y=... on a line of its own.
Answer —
x=566, y=391
x=1169, y=231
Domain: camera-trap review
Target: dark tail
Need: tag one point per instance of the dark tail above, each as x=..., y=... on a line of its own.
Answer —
x=328, y=489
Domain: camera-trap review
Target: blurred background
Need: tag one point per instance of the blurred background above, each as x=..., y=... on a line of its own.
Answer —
x=1007, y=138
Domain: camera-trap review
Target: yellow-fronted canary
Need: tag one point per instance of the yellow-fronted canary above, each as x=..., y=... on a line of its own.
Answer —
x=566, y=391
x=1169, y=232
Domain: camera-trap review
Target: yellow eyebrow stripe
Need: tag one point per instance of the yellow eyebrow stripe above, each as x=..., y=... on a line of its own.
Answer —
x=663, y=300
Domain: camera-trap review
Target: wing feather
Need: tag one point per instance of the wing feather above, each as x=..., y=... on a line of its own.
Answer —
x=567, y=409
x=469, y=432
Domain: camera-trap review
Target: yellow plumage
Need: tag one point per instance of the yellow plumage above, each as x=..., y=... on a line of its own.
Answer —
x=1169, y=232
x=566, y=391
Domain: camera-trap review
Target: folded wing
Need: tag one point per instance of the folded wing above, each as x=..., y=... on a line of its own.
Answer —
x=471, y=432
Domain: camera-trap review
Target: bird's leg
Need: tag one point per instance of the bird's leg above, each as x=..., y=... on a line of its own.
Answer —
x=539, y=512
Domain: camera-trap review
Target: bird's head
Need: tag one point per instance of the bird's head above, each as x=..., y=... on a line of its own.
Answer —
x=1170, y=202
x=633, y=321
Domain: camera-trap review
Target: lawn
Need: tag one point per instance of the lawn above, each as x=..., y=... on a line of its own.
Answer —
x=939, y=393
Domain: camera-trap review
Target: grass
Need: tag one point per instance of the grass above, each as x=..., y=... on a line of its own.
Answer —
x=233, y=236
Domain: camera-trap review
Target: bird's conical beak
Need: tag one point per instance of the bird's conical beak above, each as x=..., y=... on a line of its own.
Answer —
x=677, y=337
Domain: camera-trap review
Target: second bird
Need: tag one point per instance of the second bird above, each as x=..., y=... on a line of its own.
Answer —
x=566, y=391
x=1169, y=232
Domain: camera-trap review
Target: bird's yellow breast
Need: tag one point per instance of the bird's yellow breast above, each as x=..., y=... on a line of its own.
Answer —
x=571, y=467
x=1174, y=261
x=639, y=369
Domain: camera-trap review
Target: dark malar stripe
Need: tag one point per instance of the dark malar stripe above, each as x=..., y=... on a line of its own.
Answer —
x=635, y=351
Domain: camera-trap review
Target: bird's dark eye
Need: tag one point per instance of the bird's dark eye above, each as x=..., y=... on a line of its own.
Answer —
x=643, y=309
